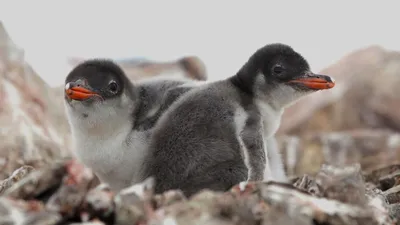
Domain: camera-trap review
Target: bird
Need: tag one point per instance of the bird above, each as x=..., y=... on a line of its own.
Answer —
x=111, y=118
x=218, y=134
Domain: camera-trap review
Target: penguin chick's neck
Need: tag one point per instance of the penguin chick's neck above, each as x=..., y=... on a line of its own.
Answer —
x=277, y=95
x=104, y=117
x=105, y=140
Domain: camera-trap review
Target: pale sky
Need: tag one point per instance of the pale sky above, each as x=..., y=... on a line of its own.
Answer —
x=222, y=33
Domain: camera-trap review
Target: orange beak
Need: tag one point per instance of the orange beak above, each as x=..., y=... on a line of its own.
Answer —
x=79, y=93
x=315, y=81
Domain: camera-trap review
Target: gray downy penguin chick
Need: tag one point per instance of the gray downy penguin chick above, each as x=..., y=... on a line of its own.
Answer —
x=111, y=118
x=214, y=136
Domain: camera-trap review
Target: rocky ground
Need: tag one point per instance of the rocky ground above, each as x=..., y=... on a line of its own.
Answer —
x=341, y=149
x=65, y=193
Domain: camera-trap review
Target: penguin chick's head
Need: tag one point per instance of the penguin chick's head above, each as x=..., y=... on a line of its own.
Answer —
x=96, y=82
x=281, y=74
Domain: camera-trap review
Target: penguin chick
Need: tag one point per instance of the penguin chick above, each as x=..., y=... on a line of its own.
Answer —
x=111, y=118
x=214, y=136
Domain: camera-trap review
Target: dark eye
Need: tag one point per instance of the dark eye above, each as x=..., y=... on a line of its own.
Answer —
x=113, y=87
x=278, y=69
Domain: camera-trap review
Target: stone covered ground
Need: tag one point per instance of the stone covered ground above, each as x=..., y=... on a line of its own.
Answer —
x=341, y=149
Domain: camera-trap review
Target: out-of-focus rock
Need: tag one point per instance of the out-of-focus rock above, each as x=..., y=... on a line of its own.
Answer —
x=133, y=204
x=393, y=194
x=382, y=176
x=365, y=96
x=99, y=203
x=269, y=203
x=33, y=130
x=307, y=183
x=26, y=212
x=68, y=198
x=38, y=182
x=168, y=198
x=394, y=211
x=390, y=180
x=344, y=184
x=370, y=148
x=17, y=175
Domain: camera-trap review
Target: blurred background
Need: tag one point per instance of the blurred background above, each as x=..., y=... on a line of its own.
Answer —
x=355, y=42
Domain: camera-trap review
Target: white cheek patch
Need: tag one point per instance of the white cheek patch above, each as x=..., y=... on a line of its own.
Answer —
x=280, y=96
x=67, y=86
x=100, y=115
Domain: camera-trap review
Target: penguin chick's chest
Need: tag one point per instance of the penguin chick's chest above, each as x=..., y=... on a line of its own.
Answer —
x=115, y=159
x=271, y=118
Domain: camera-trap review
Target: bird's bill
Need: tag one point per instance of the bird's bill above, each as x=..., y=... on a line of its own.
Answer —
x=80, y=93
x=315, y=81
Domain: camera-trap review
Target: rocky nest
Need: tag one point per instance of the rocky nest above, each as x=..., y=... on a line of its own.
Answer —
x=65, y=192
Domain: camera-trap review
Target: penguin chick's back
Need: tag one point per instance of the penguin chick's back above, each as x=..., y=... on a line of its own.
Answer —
x=195, y=146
